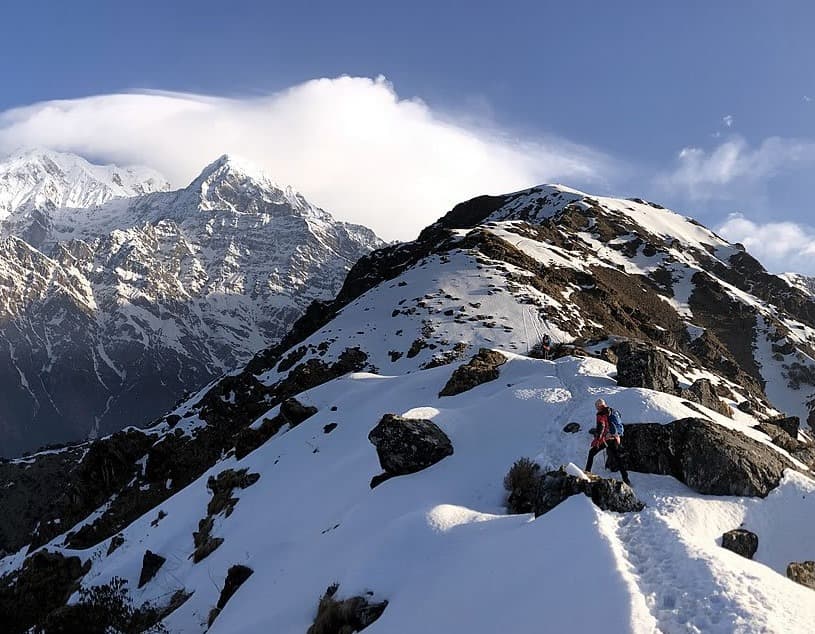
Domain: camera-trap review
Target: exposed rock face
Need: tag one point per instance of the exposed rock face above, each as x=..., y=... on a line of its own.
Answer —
x=607, y=494
x=779, y=437
x=702, y=392
x=406, y=445
x=151, y=563
x=221, y=503
x=802, y=572
x=481, y=368
x=44, y=583
x=741, y=541
x=639, y=365
x=235, y=578
x=295, y=412
x=789, y=424
x=707, y=457
x=292, y=413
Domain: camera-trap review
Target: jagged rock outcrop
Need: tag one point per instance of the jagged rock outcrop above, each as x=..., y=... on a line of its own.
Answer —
x=221, y=503
x=481, y=368
x=779, y=437
x=741, y=541
x=407, y=445
x=702, y=391
x=802, y=572
x=235, y=578
x=151, y=564
x=707, y=457
x=639, y=365
x=789, y=424
x=608, y=494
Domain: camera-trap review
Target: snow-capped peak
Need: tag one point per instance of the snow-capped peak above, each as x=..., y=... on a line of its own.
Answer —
x=229, y=164
x=231, y=182
x=41, y=178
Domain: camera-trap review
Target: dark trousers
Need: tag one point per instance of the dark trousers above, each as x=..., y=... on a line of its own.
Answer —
x=612, y=446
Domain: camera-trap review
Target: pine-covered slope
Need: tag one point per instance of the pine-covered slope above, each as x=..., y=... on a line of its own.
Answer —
x=112, y=310
x=241, y=477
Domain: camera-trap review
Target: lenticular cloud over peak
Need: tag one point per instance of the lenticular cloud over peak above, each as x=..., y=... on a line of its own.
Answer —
x=349, y=143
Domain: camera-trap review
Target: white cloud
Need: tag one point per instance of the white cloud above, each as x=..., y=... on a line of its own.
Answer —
x=733, y=167
x=728, y=120
x=780, y=246
x=351, y=145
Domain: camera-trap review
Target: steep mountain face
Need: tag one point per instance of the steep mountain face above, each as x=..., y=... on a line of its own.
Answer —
x=369, y=447
x=110, y=312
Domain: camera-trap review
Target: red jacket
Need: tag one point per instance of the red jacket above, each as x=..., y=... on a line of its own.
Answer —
x=602, y=428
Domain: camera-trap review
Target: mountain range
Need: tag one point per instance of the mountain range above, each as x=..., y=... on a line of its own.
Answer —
x=407, y=457
x=119, y=295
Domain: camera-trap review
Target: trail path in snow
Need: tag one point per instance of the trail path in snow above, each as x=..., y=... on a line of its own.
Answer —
x=684, y=588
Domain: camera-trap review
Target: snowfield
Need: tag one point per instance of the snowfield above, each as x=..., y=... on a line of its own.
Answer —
x=439, y=545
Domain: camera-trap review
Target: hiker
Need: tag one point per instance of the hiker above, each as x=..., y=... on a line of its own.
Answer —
x=607, y=436
x=546, y=346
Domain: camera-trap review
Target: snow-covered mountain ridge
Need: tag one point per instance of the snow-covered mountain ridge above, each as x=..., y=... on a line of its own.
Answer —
x=239, y=477
x=110, y=311
x=37, y=179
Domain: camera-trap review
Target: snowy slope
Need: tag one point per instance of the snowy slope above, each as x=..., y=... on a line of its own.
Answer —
x=438, y=545
x=112, y=310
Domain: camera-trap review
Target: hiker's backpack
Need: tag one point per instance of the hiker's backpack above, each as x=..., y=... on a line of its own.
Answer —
x=615, y=423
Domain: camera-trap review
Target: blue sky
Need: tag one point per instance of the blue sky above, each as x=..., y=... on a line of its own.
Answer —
x=702, y=105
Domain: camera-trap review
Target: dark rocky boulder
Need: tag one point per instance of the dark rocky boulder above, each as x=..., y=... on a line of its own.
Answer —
x=481, y=368
x=746, y=407
x=802, y=572
x=236, y=576
x=639, y=365
x=741, y=541
x=789, y=424
x=151, y=563
x=703, y=392
x=571, y=428
x=406, y=445
x=608, y=494
x=779, y=437
x=707, y=457
x=295, y=412
x=43, y=584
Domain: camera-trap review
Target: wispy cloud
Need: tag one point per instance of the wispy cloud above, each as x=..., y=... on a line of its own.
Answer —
x=728, y=120
x=350, y=144
x=780, y=246
x=733, y=167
